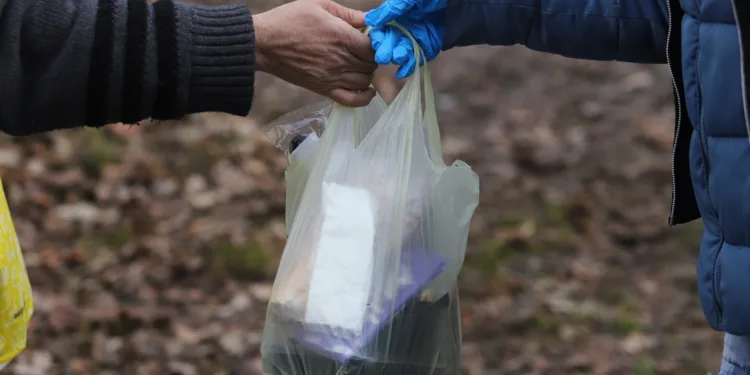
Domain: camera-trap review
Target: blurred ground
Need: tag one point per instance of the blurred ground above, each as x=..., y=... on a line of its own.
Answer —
x=151, y=249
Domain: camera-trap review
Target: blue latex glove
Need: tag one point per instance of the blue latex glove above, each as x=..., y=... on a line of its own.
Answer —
x=425, y=20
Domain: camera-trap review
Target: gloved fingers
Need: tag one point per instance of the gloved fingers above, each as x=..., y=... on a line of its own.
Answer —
x=388, y=11
x=384, y=53
x=392, y=46
x=352, y=98
x=407, y=69
x=377, y=35
x=355, y=81
x=423, y=34
x=403, y=52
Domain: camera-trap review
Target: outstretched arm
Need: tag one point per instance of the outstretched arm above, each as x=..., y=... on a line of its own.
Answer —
x=623, y=30
x=68, y=63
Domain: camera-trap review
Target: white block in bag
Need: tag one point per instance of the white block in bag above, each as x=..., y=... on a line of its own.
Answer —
x=342, y=270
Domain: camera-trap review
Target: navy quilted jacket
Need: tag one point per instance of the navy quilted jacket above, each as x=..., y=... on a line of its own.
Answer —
x=702, y=42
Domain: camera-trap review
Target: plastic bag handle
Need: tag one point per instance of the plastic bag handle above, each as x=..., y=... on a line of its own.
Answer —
x=433, y=130
x=430, y=112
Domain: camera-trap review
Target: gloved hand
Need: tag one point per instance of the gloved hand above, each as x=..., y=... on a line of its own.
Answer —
x=425, y=20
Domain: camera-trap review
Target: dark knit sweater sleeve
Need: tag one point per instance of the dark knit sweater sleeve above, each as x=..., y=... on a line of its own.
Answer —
x=68, y=63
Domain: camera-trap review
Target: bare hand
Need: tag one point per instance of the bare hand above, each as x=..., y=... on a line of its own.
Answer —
x=315, y=44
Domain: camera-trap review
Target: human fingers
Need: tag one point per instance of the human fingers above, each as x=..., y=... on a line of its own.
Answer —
x=384, y=53
x=403, y=51
x=407, y=69
x=377, y=34
x=360, y=46
x=355, y=81
x=351, y=98
x=403, y=55
x=353, y=17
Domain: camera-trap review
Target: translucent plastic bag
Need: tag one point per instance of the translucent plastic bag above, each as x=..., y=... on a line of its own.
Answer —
x=378, y=225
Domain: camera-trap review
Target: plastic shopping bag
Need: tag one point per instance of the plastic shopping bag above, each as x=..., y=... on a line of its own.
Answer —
x=377, y=227
x=16, y=305
x=298, y=135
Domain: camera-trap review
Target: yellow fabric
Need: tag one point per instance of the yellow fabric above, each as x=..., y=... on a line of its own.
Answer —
x=16, y=305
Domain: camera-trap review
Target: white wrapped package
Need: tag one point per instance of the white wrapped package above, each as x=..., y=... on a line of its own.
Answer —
x=342, y=270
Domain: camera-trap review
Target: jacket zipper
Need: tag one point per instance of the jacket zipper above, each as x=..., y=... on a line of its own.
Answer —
x=679, y=114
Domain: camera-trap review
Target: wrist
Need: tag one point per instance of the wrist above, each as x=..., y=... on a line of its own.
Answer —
x=262, y=45
x=220, y=57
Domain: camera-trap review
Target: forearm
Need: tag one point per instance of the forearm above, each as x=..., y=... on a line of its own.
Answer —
x=634, y=31
x=67, y=63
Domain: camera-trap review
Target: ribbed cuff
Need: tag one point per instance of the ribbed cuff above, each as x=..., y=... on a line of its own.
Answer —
x=222, y=68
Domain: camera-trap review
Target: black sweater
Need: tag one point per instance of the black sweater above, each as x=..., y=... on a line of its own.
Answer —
x=68, y=63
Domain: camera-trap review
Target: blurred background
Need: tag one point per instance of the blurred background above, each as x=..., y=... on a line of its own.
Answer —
x=152, y=249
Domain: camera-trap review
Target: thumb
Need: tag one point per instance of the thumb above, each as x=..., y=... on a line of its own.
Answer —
x=353, y=17
x=352, y=98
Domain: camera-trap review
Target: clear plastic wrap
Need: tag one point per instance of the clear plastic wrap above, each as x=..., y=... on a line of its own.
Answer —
x=377, y=227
